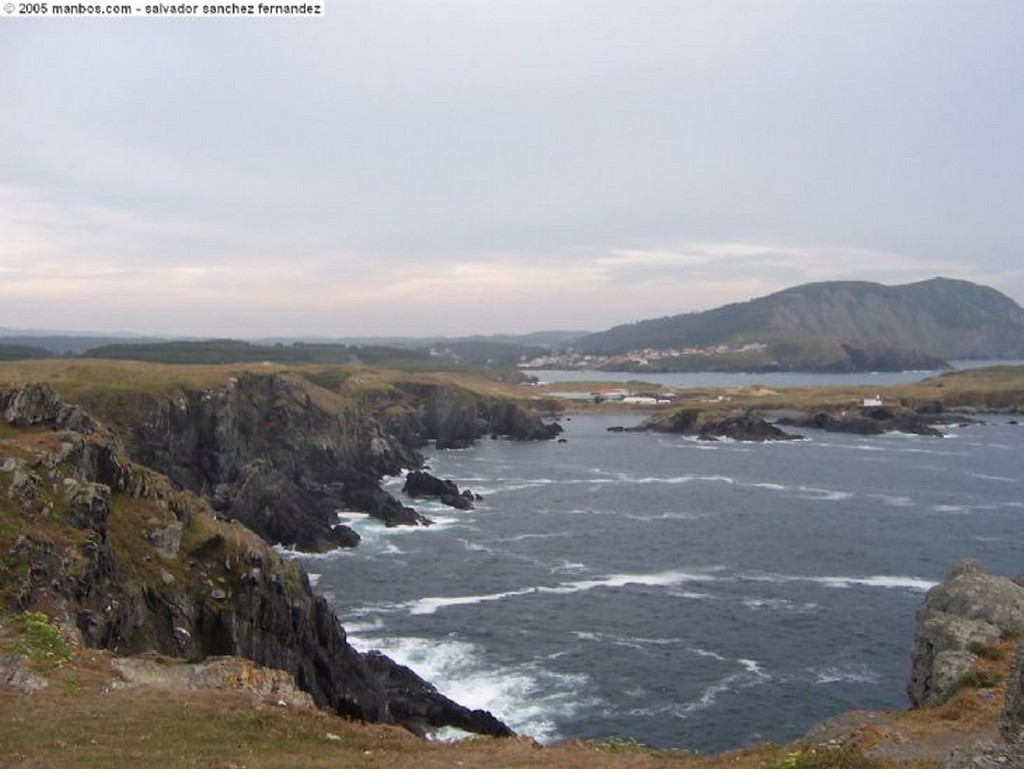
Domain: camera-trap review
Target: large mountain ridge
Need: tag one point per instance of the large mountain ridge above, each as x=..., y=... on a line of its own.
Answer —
x=941, y=317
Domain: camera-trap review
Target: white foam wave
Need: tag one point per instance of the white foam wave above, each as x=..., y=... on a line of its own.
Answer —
x=999, y=478
x=908, y=583
x=951, y=509
x=664, y=516
x=293, y=554
x=361, y=628
x=673, y=579
x=503, y=486
x=630, y=642
x=706, y=653
x=877, y=580
x=779, y=604
x=348, y=516
x=641, y=642
x=690, y=595
x=659, y=579
x=529, y=698
x=751, y=675
x=567, y=566
x=824, y=495
x=894, y=501
x=523, y=537
x=860, y=674
x=431, y=604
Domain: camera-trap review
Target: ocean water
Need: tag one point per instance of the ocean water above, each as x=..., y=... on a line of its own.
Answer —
x=768, y=379
x=685, y=594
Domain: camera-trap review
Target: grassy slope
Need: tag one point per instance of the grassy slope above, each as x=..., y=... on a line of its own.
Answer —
x=85, y=718
x=76, y=380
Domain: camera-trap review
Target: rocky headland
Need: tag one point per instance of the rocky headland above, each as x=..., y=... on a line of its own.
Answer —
x=281, y=453
x=128, y=560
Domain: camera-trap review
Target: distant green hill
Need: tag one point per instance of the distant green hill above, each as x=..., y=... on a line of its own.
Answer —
x=949, y=319
x=21, y=351
x=213, y=351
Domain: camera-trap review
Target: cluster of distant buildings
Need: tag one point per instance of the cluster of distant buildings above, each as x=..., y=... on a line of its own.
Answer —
x=644, y=357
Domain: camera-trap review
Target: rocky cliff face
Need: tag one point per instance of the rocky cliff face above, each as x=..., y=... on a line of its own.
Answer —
x=283, y=455
x=136, y=564
x=454, y=417
x=265, y=451
x=970, y=611
x=966, y=618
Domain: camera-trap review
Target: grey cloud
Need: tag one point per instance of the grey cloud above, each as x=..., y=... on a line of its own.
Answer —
x=429, y=135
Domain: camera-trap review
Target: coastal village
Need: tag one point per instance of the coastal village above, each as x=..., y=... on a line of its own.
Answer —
x=645, y=357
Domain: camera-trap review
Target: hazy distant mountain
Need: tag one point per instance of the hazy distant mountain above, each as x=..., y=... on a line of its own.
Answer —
x=66, y=343
x=940, y=317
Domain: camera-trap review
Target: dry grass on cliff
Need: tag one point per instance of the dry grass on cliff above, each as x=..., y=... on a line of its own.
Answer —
x=87, y=717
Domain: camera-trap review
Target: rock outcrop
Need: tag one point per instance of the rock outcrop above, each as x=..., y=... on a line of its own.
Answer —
x=454, y=417
x=282, y=454
x=415, y=703
x=968, y=612
x=738, y=426
x=266, y=451
x=138, y=565
x=1010, y=751
x=421, y=484
x=866, y=421
x=985, y=755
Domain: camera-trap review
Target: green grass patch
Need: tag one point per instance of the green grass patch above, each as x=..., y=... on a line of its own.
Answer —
x=975, y=679
x=994, y=652
x=620, y=745
x=827, y=757
x=41, y=640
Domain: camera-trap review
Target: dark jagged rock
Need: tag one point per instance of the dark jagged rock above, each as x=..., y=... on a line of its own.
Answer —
x=744, y=427
x=137, y=565
x=267, y=454
x=419, y=484
x=282, y=455
x=381, y=505
x=38, y=404
x=455, y=418
x=739, y=426
x=417, y=704
x=867, y=421
x=970, y=610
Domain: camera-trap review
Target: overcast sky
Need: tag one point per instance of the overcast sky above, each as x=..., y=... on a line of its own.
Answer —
x=414, y=167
